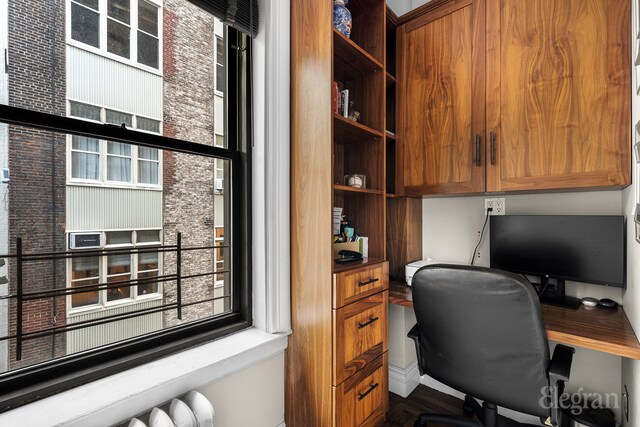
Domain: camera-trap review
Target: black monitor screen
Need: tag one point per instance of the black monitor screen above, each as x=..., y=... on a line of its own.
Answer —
x=587, y=249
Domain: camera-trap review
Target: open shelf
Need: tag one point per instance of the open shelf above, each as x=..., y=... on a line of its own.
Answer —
x=350, y=60
x=346, y=189
x=346, y=130
x=339, y=268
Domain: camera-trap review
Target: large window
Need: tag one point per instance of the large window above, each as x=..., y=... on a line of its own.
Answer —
x=115, y=163
x=103, y=276
x=127, y=29
x=120, y=268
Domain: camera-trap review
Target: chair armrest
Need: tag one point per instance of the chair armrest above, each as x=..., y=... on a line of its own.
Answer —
x=560, y=367
x=414, y=334
x=559, y=371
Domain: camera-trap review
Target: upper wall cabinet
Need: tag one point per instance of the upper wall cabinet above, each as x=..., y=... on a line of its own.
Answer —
x=557, y=99
x=441, y=106
x=558, y=94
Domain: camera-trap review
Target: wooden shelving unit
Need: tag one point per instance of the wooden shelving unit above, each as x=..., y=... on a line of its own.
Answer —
x=336, y=364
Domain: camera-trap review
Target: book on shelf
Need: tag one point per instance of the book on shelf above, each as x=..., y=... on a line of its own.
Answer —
x=344, y=103
x=337, y=220
x=336, y=97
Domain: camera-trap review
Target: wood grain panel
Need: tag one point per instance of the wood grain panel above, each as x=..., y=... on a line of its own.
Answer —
x=308, y=356
x=360, y=334
x=358, y=283
x=362, y=400
x=404, y=234
x=442, y=82
x=595, y=328
x=558, y=94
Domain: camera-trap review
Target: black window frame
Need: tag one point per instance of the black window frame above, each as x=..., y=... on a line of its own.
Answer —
x=25, y=385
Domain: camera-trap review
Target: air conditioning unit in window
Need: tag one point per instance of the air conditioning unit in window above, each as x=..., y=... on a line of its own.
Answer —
x=85, y=240
x=219, y=184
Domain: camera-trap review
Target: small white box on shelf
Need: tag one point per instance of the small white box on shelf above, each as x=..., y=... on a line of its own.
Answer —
x=411, y=268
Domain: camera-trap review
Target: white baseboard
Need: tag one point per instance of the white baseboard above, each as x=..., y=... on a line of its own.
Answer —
x=403, y=381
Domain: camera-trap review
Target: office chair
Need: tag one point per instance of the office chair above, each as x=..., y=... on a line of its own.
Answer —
x=480, y=331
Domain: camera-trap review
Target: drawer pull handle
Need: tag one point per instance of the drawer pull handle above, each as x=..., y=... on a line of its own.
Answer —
x=371, y=388
x=368, y=282
x=368, y=322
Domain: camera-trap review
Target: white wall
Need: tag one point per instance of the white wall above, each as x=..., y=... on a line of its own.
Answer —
x=252, y=397
x=450, y=232
x=631, y=296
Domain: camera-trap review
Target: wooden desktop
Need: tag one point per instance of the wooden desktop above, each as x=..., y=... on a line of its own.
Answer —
x=602, y=329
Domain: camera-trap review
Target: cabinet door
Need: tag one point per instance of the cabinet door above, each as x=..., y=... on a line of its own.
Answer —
x=442, y=103
x=558, y=94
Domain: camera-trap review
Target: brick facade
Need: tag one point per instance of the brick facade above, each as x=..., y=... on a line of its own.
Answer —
x=37, y=164
x=189, y=180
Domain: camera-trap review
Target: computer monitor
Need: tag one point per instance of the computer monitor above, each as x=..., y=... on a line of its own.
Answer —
x=581, y=248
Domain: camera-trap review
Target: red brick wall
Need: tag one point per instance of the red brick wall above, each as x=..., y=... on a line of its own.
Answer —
x=37, y=161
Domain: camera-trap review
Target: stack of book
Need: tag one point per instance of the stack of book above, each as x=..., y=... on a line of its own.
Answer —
x=340, y=100
x=337, y=219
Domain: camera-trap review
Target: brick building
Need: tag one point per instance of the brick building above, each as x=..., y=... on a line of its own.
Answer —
x=113, y=61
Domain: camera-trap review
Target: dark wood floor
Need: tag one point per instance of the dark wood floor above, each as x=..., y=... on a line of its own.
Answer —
x=404, y=411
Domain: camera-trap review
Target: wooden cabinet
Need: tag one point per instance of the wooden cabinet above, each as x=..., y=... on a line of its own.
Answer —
x=362, y=399
x=441, y=81
x=336, y=366
x=558, y=94
x=552, y=79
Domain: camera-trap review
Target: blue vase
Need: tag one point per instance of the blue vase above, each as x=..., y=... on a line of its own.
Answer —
x=342, y=17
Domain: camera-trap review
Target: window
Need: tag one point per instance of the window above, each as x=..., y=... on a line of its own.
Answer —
x=179, y=255
x=219, y=64
x=85, y=22
x=118, y=268
x=113, y=162
x=120, y=31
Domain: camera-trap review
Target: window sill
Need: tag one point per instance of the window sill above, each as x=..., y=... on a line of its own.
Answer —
x=119, y=397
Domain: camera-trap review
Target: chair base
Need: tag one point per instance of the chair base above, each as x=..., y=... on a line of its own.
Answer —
x=487, y=416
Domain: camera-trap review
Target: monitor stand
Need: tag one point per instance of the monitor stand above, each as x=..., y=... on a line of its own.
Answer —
x=554, y=293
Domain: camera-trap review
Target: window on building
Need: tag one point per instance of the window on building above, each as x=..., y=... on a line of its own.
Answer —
x=148, y=40
x=121, y=31
x=127, y=264
x=113, y=162
x=85, y=22
x=220, y=64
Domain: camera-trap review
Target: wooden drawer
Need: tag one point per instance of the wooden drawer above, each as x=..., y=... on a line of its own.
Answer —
x=360, y=335
x=355, y=284
x=363, y=399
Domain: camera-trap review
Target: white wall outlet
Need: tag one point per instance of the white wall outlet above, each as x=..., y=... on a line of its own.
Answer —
x=497, y=206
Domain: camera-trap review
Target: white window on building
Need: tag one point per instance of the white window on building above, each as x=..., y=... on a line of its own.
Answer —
x=113, y=163
x=220, y=64
x=128, y=29
x=119, y=268
x=219, y=255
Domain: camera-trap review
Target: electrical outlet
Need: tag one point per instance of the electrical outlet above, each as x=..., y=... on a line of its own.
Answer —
x=497, y=206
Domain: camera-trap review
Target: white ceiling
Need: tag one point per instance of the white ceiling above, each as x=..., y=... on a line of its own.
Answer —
x=400, y=7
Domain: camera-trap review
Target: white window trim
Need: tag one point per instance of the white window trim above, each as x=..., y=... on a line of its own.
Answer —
x=102, y=151
x=102, y=50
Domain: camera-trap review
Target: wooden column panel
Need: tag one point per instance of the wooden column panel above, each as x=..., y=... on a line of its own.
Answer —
x=404, y=234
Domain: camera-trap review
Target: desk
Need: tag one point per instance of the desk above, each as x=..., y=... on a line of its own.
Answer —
x=596, y=328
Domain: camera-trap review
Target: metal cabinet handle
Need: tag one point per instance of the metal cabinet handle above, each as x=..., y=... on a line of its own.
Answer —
x=368, y=322
x=477, y=149
x=492, y=147
x=371, y=388
x=368, y=282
